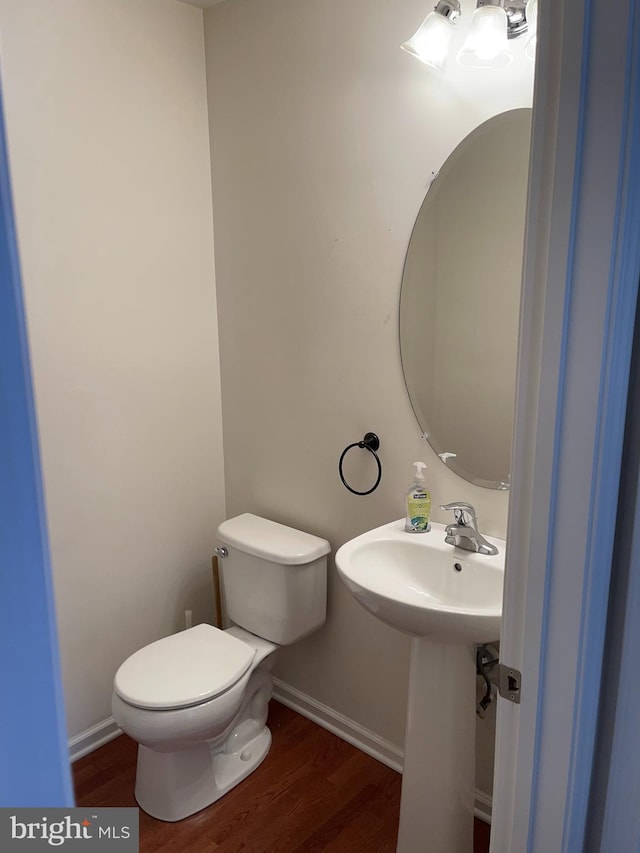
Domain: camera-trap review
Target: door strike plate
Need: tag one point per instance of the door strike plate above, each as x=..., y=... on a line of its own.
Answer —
x=509, y=683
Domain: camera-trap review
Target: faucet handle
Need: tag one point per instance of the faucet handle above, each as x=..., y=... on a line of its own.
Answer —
x=464, y=513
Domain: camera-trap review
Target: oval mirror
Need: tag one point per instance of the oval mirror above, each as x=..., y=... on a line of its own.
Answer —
x=460, y=300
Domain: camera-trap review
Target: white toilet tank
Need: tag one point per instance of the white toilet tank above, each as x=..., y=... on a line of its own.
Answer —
x=274, y=578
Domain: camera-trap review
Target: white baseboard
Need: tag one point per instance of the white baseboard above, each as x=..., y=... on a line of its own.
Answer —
x=483, y=806
x=357, y=735
x=92, y=738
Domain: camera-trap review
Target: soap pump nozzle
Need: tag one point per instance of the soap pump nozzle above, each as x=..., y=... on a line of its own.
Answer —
x=446, y=456
x=419, y=466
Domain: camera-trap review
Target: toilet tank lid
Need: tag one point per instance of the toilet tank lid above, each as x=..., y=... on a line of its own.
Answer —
x=272, y=541
x=183, y=669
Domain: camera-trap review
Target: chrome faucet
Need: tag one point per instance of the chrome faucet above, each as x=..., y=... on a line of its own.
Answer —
x=464, y=532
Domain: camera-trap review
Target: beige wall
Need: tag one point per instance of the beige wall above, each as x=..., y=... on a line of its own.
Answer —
x=324, y=137
x=107, y=124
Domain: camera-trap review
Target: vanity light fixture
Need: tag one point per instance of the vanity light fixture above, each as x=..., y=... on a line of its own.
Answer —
x=532, y=24
x=487, y=44
x=494, y=24
x=432, y=40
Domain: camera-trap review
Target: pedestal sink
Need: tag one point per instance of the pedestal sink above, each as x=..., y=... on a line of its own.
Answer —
x=449, y=600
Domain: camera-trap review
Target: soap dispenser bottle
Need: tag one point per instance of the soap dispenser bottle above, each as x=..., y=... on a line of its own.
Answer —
x=418, y=503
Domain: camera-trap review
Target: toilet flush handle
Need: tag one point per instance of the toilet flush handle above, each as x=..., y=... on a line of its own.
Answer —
x=221, y=551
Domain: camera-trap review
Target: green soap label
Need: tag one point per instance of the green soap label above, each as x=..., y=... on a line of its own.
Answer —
x=419, y=510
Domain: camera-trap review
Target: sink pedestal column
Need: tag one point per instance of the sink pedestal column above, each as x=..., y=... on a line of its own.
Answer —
x=436, y=807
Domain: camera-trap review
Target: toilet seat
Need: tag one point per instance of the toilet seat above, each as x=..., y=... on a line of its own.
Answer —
x=184, y=669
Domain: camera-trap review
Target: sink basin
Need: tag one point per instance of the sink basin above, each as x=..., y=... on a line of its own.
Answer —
x=418, y=584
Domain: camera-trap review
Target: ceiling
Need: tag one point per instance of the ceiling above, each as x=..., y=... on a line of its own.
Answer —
x=203, y=4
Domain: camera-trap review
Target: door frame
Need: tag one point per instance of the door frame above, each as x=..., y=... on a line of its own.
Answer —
x=34, y=770
x=580, y=287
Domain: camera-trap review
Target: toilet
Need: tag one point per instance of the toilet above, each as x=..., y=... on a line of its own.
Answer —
x=196, y=702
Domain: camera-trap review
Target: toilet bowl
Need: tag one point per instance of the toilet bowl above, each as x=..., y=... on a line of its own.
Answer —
x=192, y=750
x=197, y=701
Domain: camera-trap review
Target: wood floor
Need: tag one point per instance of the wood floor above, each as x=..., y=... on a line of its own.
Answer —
x=314, y=793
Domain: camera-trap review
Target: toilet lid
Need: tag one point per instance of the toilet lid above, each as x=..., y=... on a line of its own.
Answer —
x=184, y=669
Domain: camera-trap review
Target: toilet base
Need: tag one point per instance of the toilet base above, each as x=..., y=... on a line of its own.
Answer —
x=173, y=785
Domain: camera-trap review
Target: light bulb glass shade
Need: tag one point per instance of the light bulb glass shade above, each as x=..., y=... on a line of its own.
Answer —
x=532, y=23
x=431, y=41
x=486, y=46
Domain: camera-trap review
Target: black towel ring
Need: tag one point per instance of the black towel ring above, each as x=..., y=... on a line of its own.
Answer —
x=370, y=442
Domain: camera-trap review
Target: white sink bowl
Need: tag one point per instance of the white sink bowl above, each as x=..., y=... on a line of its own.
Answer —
x=418, y=584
